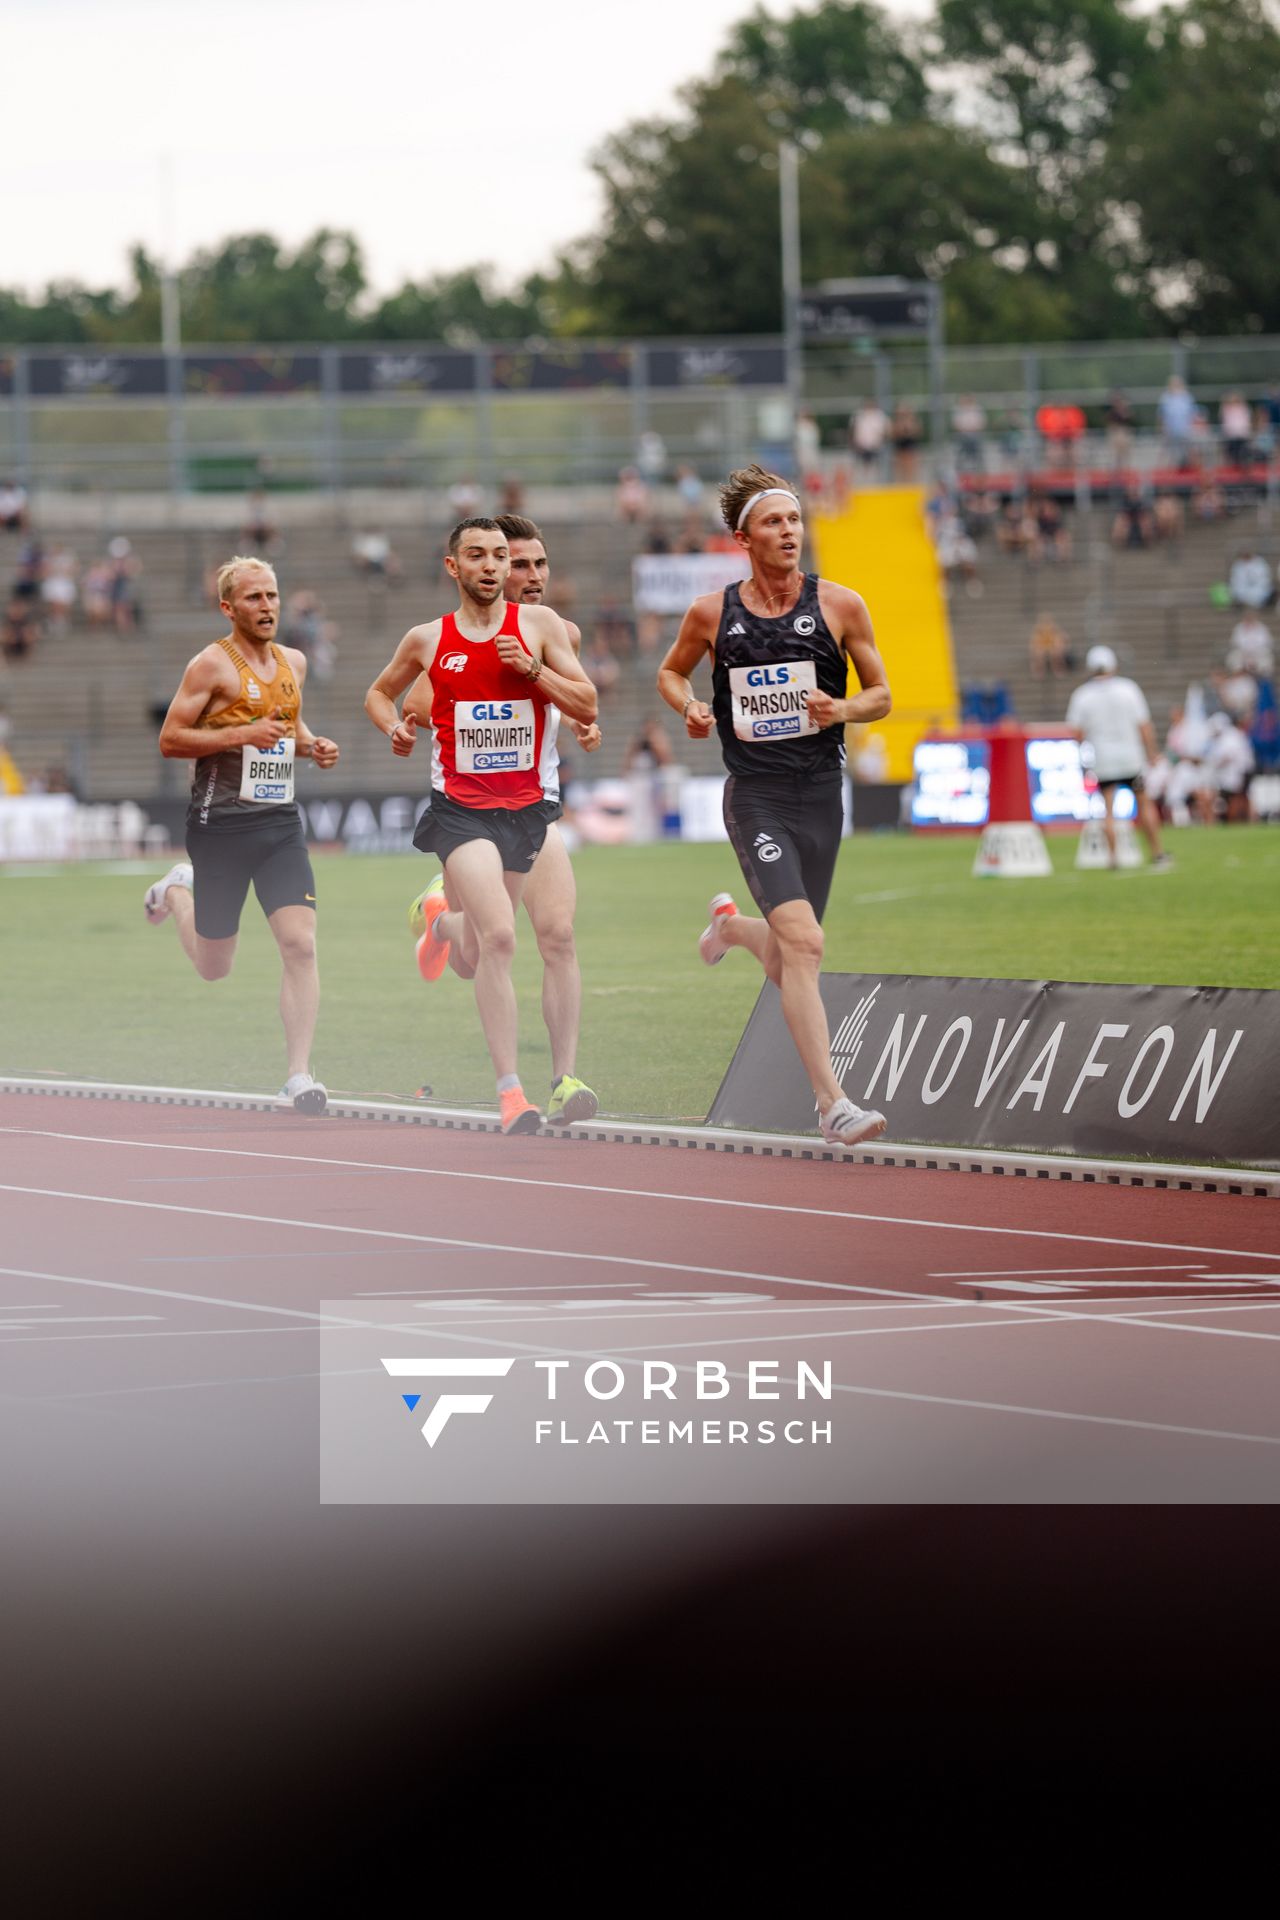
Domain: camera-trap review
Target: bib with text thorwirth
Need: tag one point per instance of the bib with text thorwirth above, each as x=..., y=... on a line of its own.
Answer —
x=769, y=702
x=267, y=773
x=493, y=736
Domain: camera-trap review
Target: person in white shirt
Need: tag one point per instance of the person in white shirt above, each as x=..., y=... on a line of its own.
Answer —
x=1111, y=715
x=1249, y=581
x=1251, y=639
x=1228, y=763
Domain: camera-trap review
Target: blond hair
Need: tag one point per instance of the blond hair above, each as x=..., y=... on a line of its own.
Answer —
x=740, y=487
x=230, y=568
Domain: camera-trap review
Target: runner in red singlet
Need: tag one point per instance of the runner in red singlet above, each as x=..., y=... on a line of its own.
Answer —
x=492, y=667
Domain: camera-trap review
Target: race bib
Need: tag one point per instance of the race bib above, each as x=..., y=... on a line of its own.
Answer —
x=769, y=702
x=493, y=736
x=267, y=773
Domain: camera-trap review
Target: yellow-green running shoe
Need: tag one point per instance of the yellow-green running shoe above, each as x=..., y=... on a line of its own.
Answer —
x=571, y=1100
x=417, y=915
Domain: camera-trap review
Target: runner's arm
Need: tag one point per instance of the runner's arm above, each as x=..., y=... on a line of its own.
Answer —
x=553, y=666
x=587, y=733
x=846, y=615
x=695, y=638
x=412, y=657
x=416, y=704
x=308, y=745
x=182, y=738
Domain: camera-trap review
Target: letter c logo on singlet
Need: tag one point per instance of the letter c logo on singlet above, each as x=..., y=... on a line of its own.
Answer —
x=805, y=623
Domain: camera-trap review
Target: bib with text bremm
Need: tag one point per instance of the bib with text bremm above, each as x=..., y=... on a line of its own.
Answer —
x=267, y=772
x=769, y=701
x=493, y=736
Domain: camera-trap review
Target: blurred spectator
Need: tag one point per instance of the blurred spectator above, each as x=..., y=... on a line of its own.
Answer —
x=26, y=584
x=1267, y=422
x=1235, y=425
x=633, y=496
x=1175, y=778
x=1134, y=524
x=511, y=498
x=808, y=446
x=1251, y=639
x=464, y=498
x=1237, y=690
x=614, y=628
x=1049, y=650
x=1016, y=528
x=981, y=512
x=13, y=507
x=1120, y=421
x=97, y=593
x=306, y=627
x=259, y=531
x=906, y=434
x=649, y=749
x=373, y=555
x=957, y=552
x=1207, y=501
x=58, y=588
x=1168, y=517
x=1013, y=434
x=1249, y=581
x=969, y=424
x=601, y=666
x=124, y=570
x=657, y=540
x=1052, y=532
x=1062, y=427
x=20, y=633
x=868, y=430
x=651, y=456
x=1176, y=410
x=869, y=758
x=1228, y=763
x=689, y=488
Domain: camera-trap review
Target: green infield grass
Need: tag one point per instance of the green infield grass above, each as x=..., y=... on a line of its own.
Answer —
x=92, y=992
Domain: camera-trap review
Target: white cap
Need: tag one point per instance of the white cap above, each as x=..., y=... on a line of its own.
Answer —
x=1100, y=660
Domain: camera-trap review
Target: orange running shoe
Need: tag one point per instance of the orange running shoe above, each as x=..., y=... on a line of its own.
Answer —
x=517, y=1114
x=433, y=954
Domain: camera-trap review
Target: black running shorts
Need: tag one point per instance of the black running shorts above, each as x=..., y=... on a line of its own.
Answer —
x=785, y=830
x=270, y=852
x=517, y=832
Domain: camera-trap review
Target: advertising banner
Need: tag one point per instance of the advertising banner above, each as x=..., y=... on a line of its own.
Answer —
x=560, y=369
x=668, y=582
x=90, y=375
x=713, y=364
x=409, y=370
x=230, y=376
x=1161, y=1073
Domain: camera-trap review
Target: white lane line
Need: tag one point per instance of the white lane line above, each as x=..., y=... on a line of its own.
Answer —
x=648, y=1193
x=657, y=1263
x=73, y=1320
x=1038, y=1273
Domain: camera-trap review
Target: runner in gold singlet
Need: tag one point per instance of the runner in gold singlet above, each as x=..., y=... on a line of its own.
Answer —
x=238, y=717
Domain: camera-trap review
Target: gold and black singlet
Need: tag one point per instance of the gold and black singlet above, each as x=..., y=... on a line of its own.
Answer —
x=240, y=784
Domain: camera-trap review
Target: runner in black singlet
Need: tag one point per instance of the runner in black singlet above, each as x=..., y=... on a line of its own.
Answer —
x=781, y=643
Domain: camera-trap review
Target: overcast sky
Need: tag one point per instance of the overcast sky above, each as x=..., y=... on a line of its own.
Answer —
x=440, y=134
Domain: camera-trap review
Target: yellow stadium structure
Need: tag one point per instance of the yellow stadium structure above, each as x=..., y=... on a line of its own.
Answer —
x=880, y=546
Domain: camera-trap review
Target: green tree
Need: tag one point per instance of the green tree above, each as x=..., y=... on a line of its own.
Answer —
x=1193, y=168
x=843, y=64
x=462, y=308
x=250, y=288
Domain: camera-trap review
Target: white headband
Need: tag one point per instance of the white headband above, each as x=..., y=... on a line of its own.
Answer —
x=763, y=494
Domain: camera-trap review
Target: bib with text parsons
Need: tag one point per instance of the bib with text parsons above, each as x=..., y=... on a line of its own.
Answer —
x=267, y=772
x=493, y=736
x=769, y=702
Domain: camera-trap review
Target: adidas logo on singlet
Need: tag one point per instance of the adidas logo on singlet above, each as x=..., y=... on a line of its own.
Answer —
x=737, y=627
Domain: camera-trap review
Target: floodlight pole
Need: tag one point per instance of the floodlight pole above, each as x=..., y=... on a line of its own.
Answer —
x=789, y=195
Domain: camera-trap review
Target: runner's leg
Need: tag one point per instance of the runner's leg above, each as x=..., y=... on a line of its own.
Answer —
x=488, y=897
x=550, y=899
x=295, y=935
x=211, y=958
x=795, y=929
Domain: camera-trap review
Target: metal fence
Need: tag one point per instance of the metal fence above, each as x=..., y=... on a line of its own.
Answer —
x=224, y=419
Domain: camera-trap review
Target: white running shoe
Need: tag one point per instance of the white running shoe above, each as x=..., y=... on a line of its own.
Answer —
x=156, y=900
x=307, y=1095
x=711, y=942
x=844, y=1125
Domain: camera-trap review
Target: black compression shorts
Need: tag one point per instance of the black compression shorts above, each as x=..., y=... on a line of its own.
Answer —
x=785, y=830
x=271, y=853
x=517, y=832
